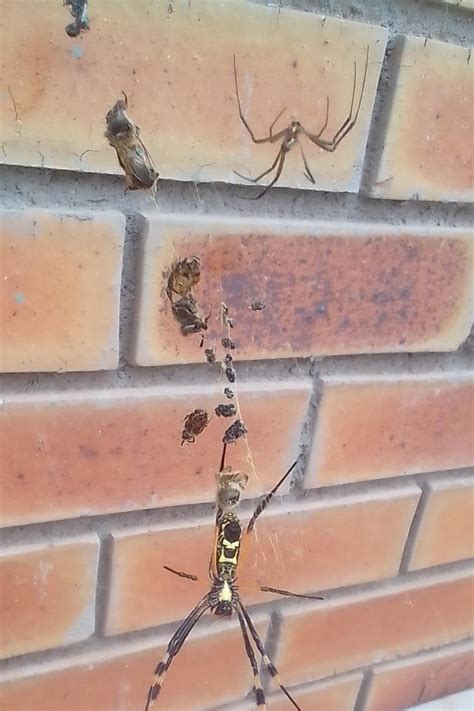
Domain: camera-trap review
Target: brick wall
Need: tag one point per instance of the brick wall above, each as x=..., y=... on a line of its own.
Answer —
x=360, y=364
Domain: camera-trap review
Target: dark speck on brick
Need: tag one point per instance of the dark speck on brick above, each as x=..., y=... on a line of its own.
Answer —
x=381, y=297
x=87, y=452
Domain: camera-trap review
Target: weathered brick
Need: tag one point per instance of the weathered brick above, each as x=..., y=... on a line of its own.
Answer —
x=431, y=158
x=464, y=4
x=60, y=289
x=285, y=58
x=340, y=635
x=416, y=680
x=305, y=547
x=446, y=531
x=48, y=595
x=335, y=695
x=413, y=293
x=210, y=669
x=369, y=428
x=86, y=453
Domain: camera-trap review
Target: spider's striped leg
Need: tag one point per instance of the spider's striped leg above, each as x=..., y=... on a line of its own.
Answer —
x=266, y=659
x=289, y=593
x=174, y=646
x=267, y=498
x=181, y=574
x=257, y=686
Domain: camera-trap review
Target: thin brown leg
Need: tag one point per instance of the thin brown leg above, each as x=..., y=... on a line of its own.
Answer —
x=350, y=121
x=265, y=172
x=271, y=138
x=308, y=174
x=272, y=183
x=327, y=118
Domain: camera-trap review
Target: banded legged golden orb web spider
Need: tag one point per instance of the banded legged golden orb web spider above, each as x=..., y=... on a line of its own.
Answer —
x=223, y=598
x=289, y=136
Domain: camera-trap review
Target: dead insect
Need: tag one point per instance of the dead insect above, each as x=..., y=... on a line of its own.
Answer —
x=78, y=9
x=232, y=433
x=124, y=136
x=257, y=305
x=226, y=320
x=194, y=423
x=225, y=410
x=228, y=392
x=185, y=274
x=210, y=355
x=289, y=136
x=230, y=374
x=229, y=343
x=186, y=313
x=230, y=486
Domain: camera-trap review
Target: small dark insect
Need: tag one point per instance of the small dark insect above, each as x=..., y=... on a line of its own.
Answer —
x=289, y=136
x=186, y=313
x=210, y=355
x=185, y=274
x=226, y=410
x=194, y=423
x=257, y=305
x=228, y=360
x=226, y=320
x=230, y=374
x=232, y=433
x=124, y=136
x=229, y=343
x=228, y=392
x=78, y=9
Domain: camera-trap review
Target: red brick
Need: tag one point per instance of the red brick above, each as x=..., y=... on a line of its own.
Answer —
x=305, y=547
x=446, y=531
x=210, y=669
x=416, y=680
x=413, y=293
x=97, y=452
x=174, y=60
x=429, y=159
x=350, y=632
x=47, y=595
x=335, y=695
x=60, y=289
x=370, y=428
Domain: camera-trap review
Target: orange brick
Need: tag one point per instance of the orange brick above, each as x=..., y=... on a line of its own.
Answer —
x=416, y=680
x=413, y=293
x=304, y=547
x=210, y=669
x=429, y=159
x=381, y=427
x=446, y=531
x=109, y=451
x=60, y=289
x=184, y=69
x=350, y=632
x=335, y=695
x=47, y=595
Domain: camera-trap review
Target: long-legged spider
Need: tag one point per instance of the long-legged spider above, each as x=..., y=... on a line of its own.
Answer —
x=290, y=136
x=223, y=598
